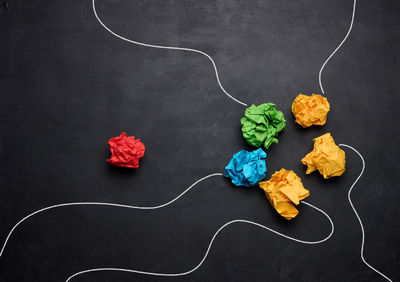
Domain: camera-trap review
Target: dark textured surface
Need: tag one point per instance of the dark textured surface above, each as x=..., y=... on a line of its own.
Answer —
x=67, y=86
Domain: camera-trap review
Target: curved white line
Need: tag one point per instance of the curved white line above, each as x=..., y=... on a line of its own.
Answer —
x=169, y=48
x=358, y=217
x=209, y=248
x=338, y=47
x=103, y=204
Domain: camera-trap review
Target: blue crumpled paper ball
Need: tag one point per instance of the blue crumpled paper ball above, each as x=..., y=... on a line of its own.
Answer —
x=247, y=168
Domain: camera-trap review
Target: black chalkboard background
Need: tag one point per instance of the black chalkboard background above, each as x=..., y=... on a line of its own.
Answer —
x=67, y=86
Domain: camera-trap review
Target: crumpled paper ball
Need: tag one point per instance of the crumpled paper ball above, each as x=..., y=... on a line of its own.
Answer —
x=283, y=190
x=125, y=151
x=246, y=168
x=260, y=124
x=327, y=157
x=310, y=110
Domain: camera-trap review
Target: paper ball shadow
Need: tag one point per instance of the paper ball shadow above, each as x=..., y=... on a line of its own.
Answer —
x=242, y=189
x=116, y=170
x=317, y=177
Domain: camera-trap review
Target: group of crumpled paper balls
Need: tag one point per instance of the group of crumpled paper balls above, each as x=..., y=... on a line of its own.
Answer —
x=260, y=128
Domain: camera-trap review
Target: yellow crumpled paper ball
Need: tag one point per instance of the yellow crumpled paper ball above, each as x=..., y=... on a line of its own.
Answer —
x=310, y=110
x=327, y=157
x=283, y=190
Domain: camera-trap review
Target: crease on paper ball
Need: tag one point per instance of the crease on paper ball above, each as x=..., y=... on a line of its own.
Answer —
x=310, y=110
x=326, y=157
x=125, y=151
x=284, y=190
x=246, y=168
x=261, y=124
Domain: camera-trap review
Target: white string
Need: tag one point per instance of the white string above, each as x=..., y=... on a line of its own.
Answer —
x=169, y=48
x=358, y=217
x=338, y=47
x=158, y=207
x=209, y=248
x=103, y=204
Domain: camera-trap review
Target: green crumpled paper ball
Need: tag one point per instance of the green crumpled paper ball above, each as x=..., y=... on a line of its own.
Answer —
x=260, y=124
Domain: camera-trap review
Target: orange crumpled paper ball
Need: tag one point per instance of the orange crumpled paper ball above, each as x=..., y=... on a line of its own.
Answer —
x=283, y=190
x=310, y=110
x=125, y=151
x=326, y=156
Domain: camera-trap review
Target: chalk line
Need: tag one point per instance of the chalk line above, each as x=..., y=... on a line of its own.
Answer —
x=169, y=48
x=358, y=217
x=338, y=47
x=209, y=248
x=158, y=207
x=103, y=204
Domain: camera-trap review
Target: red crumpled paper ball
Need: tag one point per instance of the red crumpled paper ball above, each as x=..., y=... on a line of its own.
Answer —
x=125, y=151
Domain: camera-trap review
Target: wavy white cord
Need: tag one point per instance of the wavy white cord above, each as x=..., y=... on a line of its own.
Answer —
x=209, y=248
x=338, y=47
x=103, y=204
x=358, y=217
x=169, y=48
x=161, y=206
